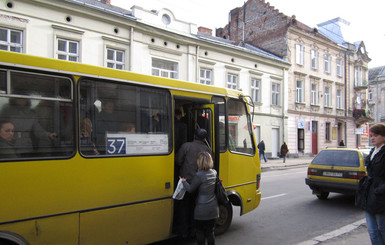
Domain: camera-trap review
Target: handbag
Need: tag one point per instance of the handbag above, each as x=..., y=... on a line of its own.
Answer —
x=361, y=197
x=220, y=192
x=179, y=191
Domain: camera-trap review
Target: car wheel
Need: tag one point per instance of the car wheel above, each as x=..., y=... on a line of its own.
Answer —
x=225, y=218
x=323, y=195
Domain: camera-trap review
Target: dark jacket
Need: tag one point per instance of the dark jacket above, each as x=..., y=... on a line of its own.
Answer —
x=284, y=150
x=261, y=146
x=371, y=192
x=186, y=158
x=206, y=205
x=7, y=150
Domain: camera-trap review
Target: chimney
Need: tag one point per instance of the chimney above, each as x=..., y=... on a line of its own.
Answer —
x=205, y=30
x=106, y=1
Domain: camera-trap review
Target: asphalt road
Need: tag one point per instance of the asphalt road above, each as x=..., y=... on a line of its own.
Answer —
x=288, y=213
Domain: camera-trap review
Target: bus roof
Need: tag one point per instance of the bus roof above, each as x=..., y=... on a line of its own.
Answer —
x=80, y=69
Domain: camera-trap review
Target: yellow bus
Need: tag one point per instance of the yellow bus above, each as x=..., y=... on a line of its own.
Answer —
x=91, y=158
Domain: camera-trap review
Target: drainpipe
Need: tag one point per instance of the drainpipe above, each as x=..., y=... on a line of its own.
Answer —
x=197, y=64
x=131, y=56
x=346, y=94
x=285, y=75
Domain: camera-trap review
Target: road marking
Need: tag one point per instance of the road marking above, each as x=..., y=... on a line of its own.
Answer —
x=280, y=195
x=339, y=232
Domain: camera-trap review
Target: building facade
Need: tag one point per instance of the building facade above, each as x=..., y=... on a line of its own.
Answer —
x=326, y=81
x=376, y=93
x=149, y=42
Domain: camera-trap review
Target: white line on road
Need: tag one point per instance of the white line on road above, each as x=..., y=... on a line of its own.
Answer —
x=280, y=195
x=283, y=174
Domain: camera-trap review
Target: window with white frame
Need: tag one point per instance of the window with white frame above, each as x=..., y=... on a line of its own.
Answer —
x=339, y=67
x=327, y=96
x=327, y=60
x=67, y=50
x=370, y=94
x=164, y=68
x=314, y=59
x=299, y=91
x=299, y=49
x=205, y=76
x=339, y=98
x=11, y=40
x=275, y=94
x=256, y=89
x=314, y=94
x=115, y=59
x=232, y=81
x=360, y=76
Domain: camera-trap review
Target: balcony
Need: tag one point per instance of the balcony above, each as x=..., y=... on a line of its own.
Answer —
x=361, y=85
x=361, y=116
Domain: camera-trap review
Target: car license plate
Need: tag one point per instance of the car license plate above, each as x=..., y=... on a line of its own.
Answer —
x=332, y=174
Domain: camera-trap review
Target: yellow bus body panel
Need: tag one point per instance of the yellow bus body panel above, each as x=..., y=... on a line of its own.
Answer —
x=58, y=230
x=238, y=173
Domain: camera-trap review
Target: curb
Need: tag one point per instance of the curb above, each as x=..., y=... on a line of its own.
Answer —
x=270, y=168
x=333, y=234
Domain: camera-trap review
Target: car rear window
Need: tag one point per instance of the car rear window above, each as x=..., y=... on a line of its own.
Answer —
x=337, y=158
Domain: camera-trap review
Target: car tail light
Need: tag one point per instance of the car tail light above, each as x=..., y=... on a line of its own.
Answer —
x=311, y=171
x=258, y=181
x=356, y=175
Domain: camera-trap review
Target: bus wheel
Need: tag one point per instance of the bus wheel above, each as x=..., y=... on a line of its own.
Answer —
x=225, y=218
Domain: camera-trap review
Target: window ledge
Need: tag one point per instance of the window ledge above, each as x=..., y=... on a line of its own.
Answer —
x=276, y=106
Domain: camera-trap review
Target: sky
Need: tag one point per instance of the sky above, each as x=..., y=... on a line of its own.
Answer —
x=367, y=18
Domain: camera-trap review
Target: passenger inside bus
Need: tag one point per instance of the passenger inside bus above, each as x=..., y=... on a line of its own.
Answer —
x=28, y=129
x=87, y=145
x=107, y=121
x=180, y=130
x=128, y=127
x=7, y=148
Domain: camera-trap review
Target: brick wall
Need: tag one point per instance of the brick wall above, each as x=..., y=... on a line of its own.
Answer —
x=265, y=27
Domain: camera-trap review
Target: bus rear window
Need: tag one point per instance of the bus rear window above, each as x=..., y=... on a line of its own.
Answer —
x=123, y=119
x=36, y=115
x=337, y=158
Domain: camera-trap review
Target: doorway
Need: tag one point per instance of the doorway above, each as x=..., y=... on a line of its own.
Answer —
x=314, y=137
x=274, y=142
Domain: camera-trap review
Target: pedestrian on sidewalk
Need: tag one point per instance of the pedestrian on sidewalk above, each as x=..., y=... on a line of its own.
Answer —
x=284, y=151
x=261, y=149
x=371, y=193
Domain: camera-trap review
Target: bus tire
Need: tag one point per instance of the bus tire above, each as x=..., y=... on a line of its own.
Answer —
x=10, y=238
x=225, y=218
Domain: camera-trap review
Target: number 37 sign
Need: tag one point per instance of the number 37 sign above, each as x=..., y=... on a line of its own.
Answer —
x=136, y=144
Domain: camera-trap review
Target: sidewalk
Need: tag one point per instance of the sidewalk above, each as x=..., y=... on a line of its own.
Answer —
x=273, y=164
x=353, y=234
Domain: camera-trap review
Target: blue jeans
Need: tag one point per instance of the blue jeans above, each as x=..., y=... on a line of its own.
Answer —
x=376, y=228
x=263, y=154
